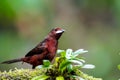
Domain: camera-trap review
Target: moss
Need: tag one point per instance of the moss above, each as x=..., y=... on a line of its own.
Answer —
x=20, y=74
x=28, y=74
x=86, y=76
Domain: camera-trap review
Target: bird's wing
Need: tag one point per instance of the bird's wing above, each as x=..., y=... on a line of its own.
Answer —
x=37, y=50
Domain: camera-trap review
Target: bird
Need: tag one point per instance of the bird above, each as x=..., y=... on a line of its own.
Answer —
x=45, y=50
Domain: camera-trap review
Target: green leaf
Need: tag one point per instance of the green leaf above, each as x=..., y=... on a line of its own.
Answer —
x=88, y=66
x=57, y=59
x=69, y=53
x=42, y=77
x=60, y=78
x=76, y=62
x=63, y=54
x=81, y=60
x=70, y=68
x=60, y=51
x=63, y=65
x=79, y=51
x=46, y=63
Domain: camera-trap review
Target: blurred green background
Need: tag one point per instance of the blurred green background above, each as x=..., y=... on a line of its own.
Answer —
x=90, y=24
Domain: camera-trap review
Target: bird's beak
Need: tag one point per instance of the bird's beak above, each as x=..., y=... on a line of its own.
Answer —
x=60, y=31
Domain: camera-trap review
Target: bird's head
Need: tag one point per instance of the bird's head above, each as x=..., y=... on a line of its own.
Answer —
x=56, y=32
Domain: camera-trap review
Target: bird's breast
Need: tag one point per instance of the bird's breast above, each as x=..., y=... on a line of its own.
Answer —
x=52, y=46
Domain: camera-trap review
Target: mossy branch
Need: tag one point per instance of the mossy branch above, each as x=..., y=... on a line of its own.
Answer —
x=20, y=74
x=28, y=74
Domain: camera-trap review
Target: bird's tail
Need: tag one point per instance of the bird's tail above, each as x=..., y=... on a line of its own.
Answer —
x=12, y=61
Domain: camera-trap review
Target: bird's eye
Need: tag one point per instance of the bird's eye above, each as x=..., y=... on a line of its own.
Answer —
x=55, y=29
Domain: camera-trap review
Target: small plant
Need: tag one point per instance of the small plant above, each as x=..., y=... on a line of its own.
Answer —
x=66, y=67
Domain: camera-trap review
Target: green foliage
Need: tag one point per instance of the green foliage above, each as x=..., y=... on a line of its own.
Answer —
x=46, y=63
x=67, y=66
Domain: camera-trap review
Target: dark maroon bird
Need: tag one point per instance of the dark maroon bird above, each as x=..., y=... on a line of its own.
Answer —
x=44, y=50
